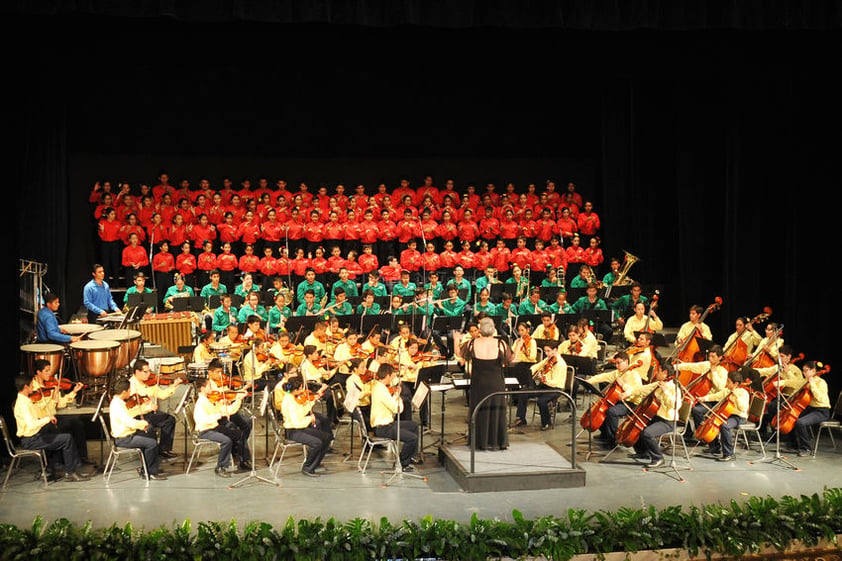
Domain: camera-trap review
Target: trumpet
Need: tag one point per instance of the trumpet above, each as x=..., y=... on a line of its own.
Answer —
x=525, y=277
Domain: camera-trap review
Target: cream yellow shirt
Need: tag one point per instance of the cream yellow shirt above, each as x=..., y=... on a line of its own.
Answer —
x=296, y=415
x=123, y=423
x=556, y=377
x=552, y=332
x=639, y=324
x=384, y=406
x=687, y=329
x=666, y=393
x=718, y=376
x=630, y=381
x=28, y=418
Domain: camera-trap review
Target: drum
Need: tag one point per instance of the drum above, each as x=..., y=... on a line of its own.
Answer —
x=94, y=358
x=170, y=365
x=128, y=339
x=196, y=370
x=80, y=329
x=52, y=353
x=218, y=349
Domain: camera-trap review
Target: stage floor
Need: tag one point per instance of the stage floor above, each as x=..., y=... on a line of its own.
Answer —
x=344, y=493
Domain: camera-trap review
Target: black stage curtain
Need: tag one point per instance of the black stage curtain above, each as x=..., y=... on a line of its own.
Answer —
x=715, y=153
x=537, y=14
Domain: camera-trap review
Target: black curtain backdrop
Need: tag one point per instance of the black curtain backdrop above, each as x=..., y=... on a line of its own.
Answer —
x=713, y=151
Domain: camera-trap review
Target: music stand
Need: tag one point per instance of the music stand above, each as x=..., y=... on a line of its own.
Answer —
x=237, y=300
x=94, y=419
x=495, y=291
x=370, y=321
x=306, y=323
x=214, y=301
x=182, y=402
x=590, y=390
x=415, y=321
x=550, y=293
x=143, y=300
x=778, y=459
x=132, y=316
x=267, y=297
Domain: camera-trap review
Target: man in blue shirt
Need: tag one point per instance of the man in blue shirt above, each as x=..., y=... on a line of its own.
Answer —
x=47, y=327
x=97, y=296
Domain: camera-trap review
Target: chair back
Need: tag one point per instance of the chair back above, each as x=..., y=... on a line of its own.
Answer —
x=684, y=412
x=277, y=427
x=108, y=438
x=757, y=407
x=187, y=413
x=571, y=378
x=7, y=438
x=358, y=415
x=836, y=412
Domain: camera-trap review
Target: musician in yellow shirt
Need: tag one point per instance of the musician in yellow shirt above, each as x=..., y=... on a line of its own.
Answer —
x=213, y=422
x=129, y=432
x=689, y=327
x=718, y=376
x=303, y=425
x=818, y=411
x=641, y=321
x=385, y=407
x=740, y=400
x=629, y=380
x=150, y=407
x=37, y=431
x=647, y=449
x=550, y=373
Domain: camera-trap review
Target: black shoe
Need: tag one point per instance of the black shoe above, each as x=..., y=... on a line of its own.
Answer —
x=641, y=458
x=73, y=476
x=657, y=463
x=167, y=454
x=245, y=466
x=408, y=468
x=158, y=476
x=88, y=462
x=730, y=458
x=51, y=477
x=309, y=473
x=519, y=423
x=221, y=472
x=802, y=453
x=545, y=427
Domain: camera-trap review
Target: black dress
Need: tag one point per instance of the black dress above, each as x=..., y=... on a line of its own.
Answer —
x=491, y=422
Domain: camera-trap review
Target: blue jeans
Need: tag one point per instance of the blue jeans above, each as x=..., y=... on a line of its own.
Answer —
x=49, y=440
x=147, y=444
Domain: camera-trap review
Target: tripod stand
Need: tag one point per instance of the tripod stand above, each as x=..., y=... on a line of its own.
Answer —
x=778, y=458
x=399, y=472
x=252, y=475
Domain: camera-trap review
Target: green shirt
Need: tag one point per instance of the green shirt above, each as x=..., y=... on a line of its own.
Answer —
x=301, y=310
x=240, y=292
x=317, y=287
x=583, y=304
x=222, y=319
x=401, y=290
x=528, y=308
x=374, y=310
x=578, y=282
x=436, y=290
x=133, y=290
x=275, y=315
x=379, y=289
x=491, y=308
x=349, y=286
x=246, y=311
x=623, y=307
x=208, y=290
x=568, y=309
x=453, y=309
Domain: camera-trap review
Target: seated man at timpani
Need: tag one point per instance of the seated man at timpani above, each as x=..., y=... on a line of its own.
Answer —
x=202, y=353
x=385, y=407
x=259, y=367
x=148, y=404
x=547, y=329
x=717, y=376
x=47, y=327
x=38, y=431
x=220, y=383
x=212, y=416
x=362, y=380
x=739, y=399
x=317, y=370
x=129, y=432
x=550, y=373
x=647, y=449
x=45, y=384
x=628, y=381
x=305, y=426
x=641, y=321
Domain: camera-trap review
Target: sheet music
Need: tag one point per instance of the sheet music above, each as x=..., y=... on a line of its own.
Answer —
x=420, y=395
x=264, y=401
x=441, y=387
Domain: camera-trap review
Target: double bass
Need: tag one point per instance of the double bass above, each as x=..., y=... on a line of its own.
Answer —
x=689, y=349
x=796, y=405
x=736, y=354
x=629, y=431
x=594, y=417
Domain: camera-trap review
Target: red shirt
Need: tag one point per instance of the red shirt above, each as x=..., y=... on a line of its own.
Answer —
x=109, y=231
x=353, y=230
x=185, y=263
x=163, y=262
x=199, y=234
x=588, y=223
x=411, y=259
x=407, y=230
x=299, y=265
x=468, y=230
x=509, y=229
x=157, y=233
x=575, y=254
x=390, y=273
x=319, y=264
x=127, y=230
x=216, y=214
x=267, y=266
x=567, y=227
x=272, y=231
x=500, y=258
x=448, y=259
x=540, y=260
x=528, y=228
x=295, y=229
x=546, y=229
x=314, y=232
x=522, y=257
x=466, y=259
x=593, y=257
x=368, y=262
x=206, y=261
x=228, y=233
x=238, y=212
x=429, y=228
x=248, y=232
x=335, y=262
x=489, y=228
x=369, y=231
x=482, y=259
x=387, y=230
x=135, y=256
x=226, y=262
x=447, y=231
x=248, y=263
x=430, y=261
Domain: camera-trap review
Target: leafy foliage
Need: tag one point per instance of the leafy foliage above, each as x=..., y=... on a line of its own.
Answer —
x=733, y=529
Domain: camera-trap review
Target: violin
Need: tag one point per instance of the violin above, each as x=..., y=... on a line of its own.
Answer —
x=735, y=354
x=541, y=374
x=325, y=362
x=595, y=416
x=39, y=394
x=799, y=401
x=159, y=380
x=62, y=384
x=233, y=382
x=136, y=400
x=227, y=395
x=304, y=395
x=689, y=349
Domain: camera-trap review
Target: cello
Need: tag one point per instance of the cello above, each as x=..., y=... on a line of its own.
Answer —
x=689, y=349
x=769, y=387
x=800, y=400
x=709, y=429
x=735, y=354
x=629, y=431
x=593, y=418
x=761, y=357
